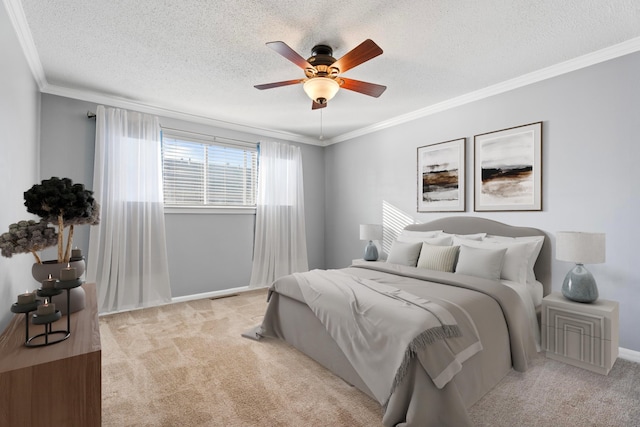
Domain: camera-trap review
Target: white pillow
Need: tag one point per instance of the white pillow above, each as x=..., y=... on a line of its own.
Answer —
x=516, y=259
x=440, y=258
x=486, y=263
x=457, y=238
x=404, y=253
x=497, y=238
x=438, y=241
x=413, y=233
x=539, y=241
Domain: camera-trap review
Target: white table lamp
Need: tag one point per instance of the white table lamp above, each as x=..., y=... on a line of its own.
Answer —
x=581, y=248
x=370, y=232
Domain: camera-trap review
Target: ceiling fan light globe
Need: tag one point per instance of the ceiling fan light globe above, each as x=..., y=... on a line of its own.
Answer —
x=321, y=89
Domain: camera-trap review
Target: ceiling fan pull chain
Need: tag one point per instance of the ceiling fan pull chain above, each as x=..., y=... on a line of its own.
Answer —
x=321, y=133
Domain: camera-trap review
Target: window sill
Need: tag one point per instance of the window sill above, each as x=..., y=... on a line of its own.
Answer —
x=208, y=210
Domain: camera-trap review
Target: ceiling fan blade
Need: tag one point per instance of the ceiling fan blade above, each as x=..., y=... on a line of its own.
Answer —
x=278, y=84
x=315, y=105
x=363, y=52
x=370, y=89
x=283, y=49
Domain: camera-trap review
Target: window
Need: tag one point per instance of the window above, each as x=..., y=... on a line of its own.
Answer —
x=202, y=171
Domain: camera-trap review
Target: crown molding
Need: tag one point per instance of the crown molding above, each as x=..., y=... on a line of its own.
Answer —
x=602, y=55
x=115, y=101
x=21, y=28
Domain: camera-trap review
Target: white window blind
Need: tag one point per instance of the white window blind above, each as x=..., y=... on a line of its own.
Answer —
x=201, y=172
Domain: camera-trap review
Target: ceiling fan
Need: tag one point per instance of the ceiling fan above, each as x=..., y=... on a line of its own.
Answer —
x=322, y=71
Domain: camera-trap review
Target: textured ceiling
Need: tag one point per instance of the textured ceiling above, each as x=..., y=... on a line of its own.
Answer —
x=203, y=57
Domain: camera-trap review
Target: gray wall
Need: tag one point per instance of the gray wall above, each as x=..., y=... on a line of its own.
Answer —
x=67, y=149
x=19, y=126
x=207, y=252
x=591, y=158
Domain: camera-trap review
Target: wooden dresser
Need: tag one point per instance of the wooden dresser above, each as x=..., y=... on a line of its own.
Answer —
x=55, y=385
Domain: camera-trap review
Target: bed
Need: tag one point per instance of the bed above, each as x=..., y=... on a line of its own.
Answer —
x=490, y=325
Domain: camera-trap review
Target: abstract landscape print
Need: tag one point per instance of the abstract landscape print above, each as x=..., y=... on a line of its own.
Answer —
x=441, y=178
x=508, y=169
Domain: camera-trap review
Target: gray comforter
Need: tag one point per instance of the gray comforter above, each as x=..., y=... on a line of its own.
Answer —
x=381, y=328
x=416, y=401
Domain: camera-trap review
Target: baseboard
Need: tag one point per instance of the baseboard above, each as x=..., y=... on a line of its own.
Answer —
x=212, y=294
x=632, y=355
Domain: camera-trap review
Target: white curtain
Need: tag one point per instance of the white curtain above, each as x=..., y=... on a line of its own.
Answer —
x=127, y=252
x=280, y=239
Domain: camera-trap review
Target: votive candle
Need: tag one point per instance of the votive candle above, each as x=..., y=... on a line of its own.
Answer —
x=46, y=308
x=27, y=298
x=49, y=283
x=76, y=253
x=68, y=273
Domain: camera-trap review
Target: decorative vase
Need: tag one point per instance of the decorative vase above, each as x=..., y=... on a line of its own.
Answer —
x=579, y=285
x=371, y=252
x=42, y=271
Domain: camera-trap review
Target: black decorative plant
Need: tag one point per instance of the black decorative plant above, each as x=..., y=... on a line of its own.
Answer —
x=56, y=201
x=65, y=204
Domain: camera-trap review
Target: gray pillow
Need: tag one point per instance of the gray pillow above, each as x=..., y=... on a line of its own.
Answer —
x=486, y=263
x=404, y=253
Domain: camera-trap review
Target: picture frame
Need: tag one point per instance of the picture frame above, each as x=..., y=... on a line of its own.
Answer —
x=441, y=176
x=508, y=169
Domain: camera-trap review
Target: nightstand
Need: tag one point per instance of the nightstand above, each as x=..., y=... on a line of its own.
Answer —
x=583, y=335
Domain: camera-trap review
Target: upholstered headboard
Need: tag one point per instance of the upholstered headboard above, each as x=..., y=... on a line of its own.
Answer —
x=470, y=225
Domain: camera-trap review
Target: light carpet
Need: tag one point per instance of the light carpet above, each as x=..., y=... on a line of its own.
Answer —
x=186, y=364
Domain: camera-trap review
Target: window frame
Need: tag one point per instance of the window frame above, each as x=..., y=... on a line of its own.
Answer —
x=205, y=139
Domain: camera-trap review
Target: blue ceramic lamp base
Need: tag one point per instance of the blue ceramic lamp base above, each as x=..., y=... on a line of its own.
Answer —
x=371, y=252
x=579, y=285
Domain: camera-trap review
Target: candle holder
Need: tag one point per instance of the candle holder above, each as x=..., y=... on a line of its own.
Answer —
x=47, y=320
x=26, y=309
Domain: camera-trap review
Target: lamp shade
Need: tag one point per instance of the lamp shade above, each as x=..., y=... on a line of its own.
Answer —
x=580, y=247
x=321, y=89
x=370, y=232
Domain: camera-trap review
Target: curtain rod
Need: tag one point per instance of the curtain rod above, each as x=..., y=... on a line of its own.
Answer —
x=92, y=115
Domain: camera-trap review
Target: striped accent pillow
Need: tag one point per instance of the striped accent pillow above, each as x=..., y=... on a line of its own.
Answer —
x=441, y=258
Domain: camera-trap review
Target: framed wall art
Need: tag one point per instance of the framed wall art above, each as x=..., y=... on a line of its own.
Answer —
x=441, y=177
x=508, y=169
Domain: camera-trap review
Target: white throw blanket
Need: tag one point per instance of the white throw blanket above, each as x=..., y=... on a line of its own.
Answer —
x=380, y=329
